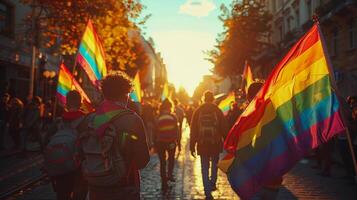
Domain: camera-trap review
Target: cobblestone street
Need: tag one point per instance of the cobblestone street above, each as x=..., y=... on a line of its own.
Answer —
x=300, y=183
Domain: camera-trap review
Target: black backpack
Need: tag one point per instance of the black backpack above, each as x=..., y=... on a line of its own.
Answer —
x=208, y=128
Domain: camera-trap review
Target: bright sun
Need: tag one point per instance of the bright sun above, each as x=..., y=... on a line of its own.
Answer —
x=183, y=55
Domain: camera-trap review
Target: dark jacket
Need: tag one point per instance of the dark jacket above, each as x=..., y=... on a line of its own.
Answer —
x=222, y=128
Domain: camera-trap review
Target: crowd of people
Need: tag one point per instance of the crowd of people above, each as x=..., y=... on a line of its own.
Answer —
x=98, y=155
x=24, y=122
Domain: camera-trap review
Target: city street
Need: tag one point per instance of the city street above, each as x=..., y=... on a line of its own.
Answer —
x=300, y=183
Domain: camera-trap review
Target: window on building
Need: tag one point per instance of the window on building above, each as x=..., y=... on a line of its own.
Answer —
x=334, y=42
x=6, y=19
x=297, y=17
x=352, y=30
x=309, y=9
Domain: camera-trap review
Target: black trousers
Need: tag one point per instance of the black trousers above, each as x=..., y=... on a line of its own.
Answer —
x=170, y=149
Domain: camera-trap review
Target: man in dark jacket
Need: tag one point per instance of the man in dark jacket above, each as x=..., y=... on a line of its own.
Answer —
x=208, y=130
x=116, y=88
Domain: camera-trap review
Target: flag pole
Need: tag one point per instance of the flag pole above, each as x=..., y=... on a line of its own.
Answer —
x=334, y=86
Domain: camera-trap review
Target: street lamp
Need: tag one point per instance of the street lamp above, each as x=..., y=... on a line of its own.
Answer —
x=48, y=76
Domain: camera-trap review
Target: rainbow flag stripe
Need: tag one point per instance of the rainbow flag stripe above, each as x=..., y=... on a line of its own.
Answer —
x=66, y=83
x=296, y=110
x=225, y=104
x=247, y=77
x=91, y=55
x=165, y=92
x=136, y=94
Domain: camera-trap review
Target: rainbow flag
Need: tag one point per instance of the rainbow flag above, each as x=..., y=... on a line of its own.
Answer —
x=247, y=77
x=91, y=55
x=165, y=92
x=225, y=104
x=295, y=111
x=66, y=83
x=136, y=94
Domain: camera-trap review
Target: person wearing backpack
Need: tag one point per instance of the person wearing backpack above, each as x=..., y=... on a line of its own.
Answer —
x=208, y=130
x=61, y=155
x=113, y=144
x=166, y=140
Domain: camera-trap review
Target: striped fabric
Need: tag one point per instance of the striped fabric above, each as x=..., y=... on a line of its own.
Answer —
x=167, y=128
x=66, y=83
x=91, y=55
x=225, y=104
x=295, y=111
x=247, y=77
x=136, y=94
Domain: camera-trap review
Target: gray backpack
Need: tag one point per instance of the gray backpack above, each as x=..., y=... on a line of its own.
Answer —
x=103, y=163
x=61, y=153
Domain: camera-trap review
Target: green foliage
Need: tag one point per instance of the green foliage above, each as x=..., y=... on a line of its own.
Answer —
x=246, y=28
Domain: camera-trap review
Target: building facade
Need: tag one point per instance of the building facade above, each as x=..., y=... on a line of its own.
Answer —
x=16, y=54
x=338, y=21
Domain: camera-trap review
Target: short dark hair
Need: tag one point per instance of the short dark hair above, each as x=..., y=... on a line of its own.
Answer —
x=208, y=96
x=117, y=85
x=73, y=99
x=253, y=90
x=166, y=104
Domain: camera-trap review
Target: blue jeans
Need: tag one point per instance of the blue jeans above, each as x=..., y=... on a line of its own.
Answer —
x=209, y=181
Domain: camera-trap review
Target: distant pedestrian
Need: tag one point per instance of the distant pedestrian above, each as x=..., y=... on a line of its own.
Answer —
x=113, y=144
x=180, y=114
x=15, y=121
x=166, y=140
x=233, y=114
x=32, y=120
x=4, y=113
x=62, y=152
x=208, y=130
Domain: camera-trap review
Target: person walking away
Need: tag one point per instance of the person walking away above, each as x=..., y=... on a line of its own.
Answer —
x=208, y=130
x=32, y=121
x=180, y=114
x=166, y=140
x=4, y=113
x=62, y=161
x=113, y=144
x=233, y=114
x=15, y=121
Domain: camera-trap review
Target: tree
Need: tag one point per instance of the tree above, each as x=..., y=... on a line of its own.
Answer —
x=183, y=96
x=245, y=36
x=61, y=24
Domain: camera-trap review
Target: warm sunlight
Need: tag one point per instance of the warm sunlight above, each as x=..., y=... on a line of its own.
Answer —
x=183, y=54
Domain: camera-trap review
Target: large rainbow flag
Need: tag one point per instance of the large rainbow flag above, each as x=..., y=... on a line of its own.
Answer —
x=136, y=94
x=91, y=55
x=66, y=83
x=225, y=104
x=295, y=111
x=247, y=77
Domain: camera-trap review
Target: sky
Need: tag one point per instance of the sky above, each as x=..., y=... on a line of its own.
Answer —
x=182, y=30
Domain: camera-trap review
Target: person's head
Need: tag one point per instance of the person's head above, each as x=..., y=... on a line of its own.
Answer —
x=166, y=106
x=5, y=97
x=116, y=86
x=208, y=97
x=253, y=90
x=37, y=100
x=234, y=106
x=16, y=103
x=73, y=100
x=175, y=102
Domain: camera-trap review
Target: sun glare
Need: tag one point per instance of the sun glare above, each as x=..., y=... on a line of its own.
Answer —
x=183, y=55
